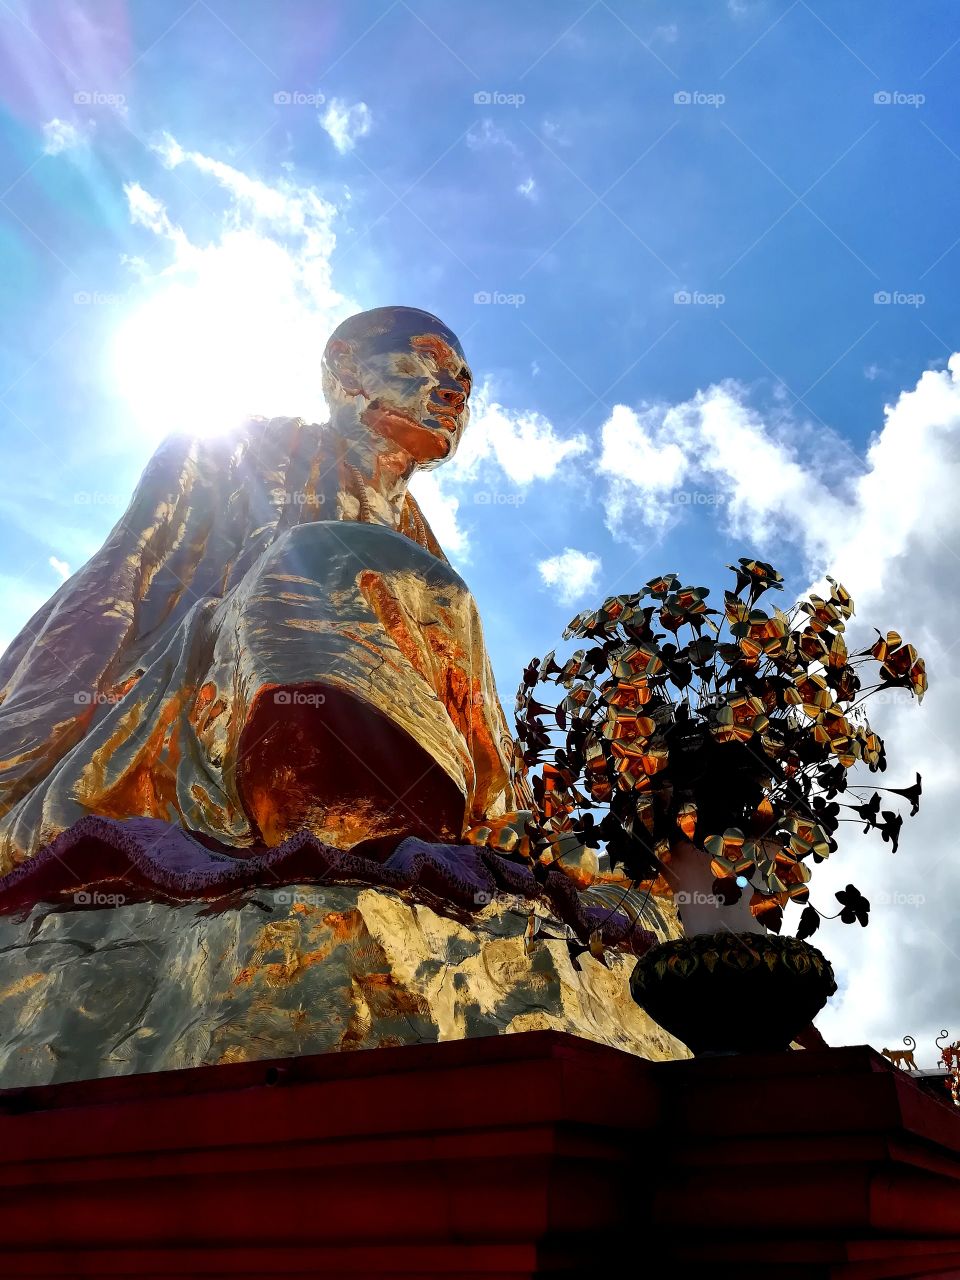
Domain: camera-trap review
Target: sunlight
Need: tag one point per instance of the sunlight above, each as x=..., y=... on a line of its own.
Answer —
x=224, y=331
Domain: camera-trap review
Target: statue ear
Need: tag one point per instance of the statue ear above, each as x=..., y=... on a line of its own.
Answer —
x=343, y=366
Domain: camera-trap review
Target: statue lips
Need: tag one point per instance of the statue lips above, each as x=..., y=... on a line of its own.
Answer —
x=446, y=421
x=445, y=415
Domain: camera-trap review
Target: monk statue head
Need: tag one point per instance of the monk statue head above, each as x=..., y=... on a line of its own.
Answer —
x=400, y=375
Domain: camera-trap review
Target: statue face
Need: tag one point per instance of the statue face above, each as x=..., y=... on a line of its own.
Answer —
x=415, y=381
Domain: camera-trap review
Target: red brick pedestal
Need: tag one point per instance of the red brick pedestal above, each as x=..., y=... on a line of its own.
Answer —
x=519, y=1156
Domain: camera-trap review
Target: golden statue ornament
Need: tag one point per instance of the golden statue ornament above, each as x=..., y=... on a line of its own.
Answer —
x=255, y=780
x=271, y=639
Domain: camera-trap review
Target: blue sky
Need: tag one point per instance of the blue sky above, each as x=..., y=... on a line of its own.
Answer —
x=192, y=194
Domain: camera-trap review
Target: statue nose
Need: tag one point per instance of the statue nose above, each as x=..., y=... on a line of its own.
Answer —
x=455, y=399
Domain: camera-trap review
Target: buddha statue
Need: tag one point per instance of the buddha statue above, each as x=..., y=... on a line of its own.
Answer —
x=256, y=796
x=271, y=638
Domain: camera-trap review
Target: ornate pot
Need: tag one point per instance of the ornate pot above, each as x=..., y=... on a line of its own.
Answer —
x=733, y=993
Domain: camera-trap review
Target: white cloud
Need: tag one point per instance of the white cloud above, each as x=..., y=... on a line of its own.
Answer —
x=572, y=573
x=224, y=327
x=524, y=444
x=501, y=447
x=668, y=33
x=785, y=479
x=554, y=132
x=346, y=122
x=901, y=563
x=146, y=211
x=285, y=207
x=487, y=134
x=528, y=189
x=712, y=450
x=643, y=466
x=59, y=566
x=906, y=497
x=63, y=135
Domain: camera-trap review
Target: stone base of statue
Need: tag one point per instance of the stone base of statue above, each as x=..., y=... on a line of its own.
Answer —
x=295, y=970
x=510, y=1156
x=148, y=949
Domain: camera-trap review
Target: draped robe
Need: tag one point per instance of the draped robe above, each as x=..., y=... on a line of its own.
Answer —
x=188, y=671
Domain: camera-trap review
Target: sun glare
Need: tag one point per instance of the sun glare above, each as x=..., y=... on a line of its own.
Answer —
x=226, y=335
